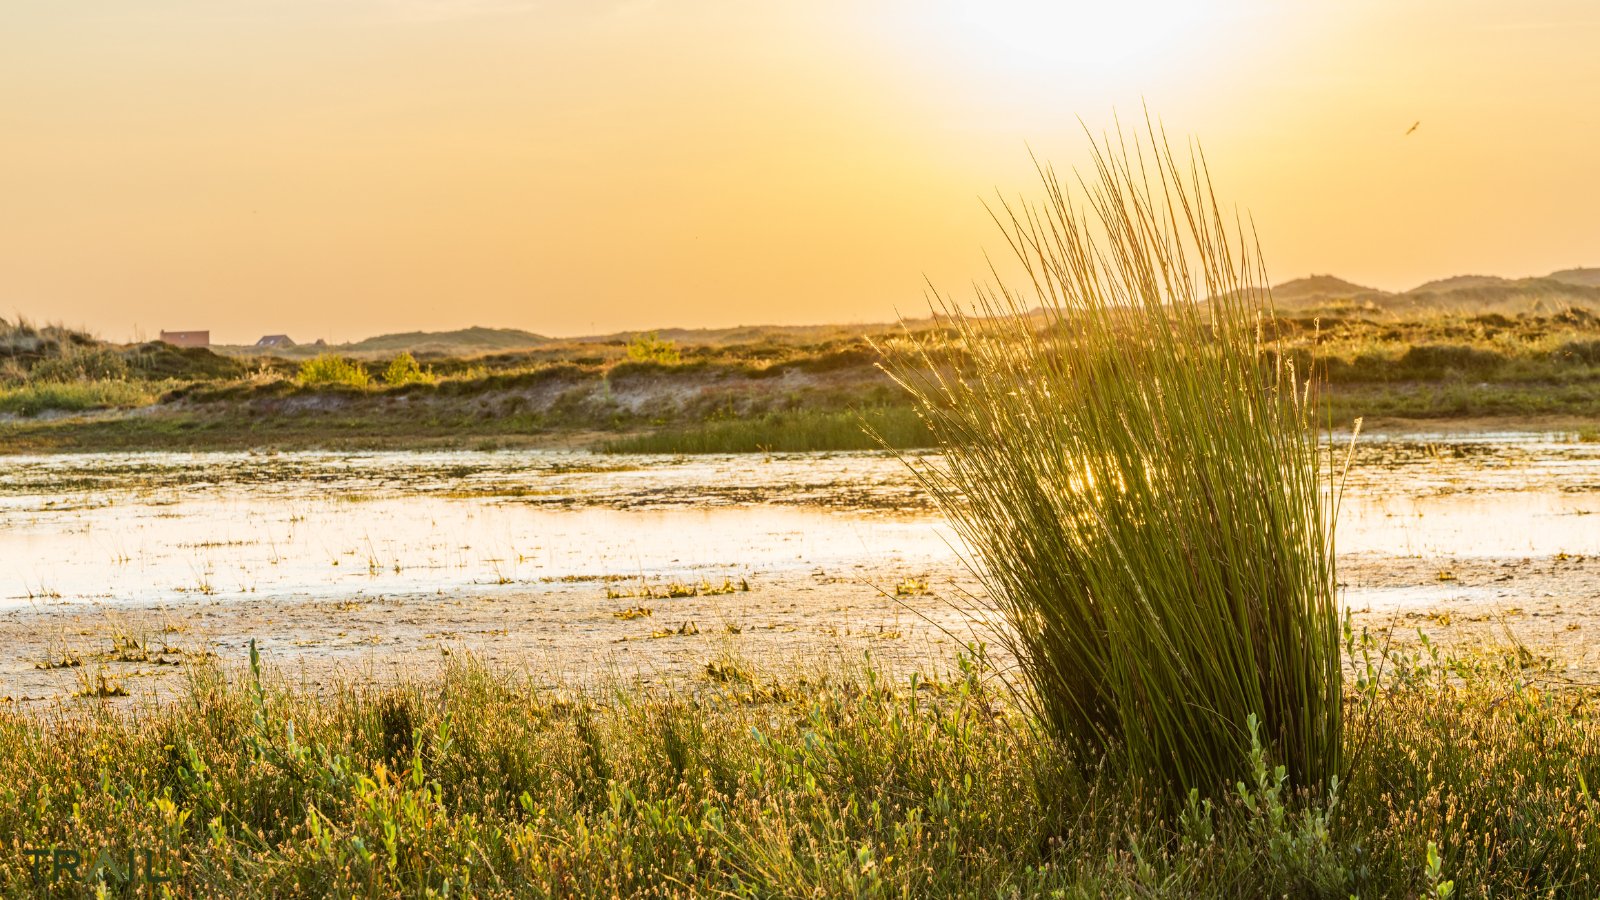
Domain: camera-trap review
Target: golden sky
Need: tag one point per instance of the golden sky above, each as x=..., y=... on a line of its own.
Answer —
x=340, y=168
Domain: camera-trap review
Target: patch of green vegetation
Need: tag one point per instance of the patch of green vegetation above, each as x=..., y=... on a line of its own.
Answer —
x=798, y=431
x=746, y=390
x=218, y=426
x=649, y=347
x=1559, y=347
x=56, y=369
x=34, y=397
x=1463, y=400
x=837, y=784
x=328, y=370
x=208, y=430
x=403, y=369
x=77, y=362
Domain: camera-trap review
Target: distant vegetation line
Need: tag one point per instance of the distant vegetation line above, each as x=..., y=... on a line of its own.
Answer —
x=62, y=389
x=1460, y=294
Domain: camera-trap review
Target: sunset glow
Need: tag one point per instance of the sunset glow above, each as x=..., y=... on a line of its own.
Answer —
x=337, y=168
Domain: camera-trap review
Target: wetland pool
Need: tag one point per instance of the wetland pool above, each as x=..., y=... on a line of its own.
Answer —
x=142, y=528
x=125, y=566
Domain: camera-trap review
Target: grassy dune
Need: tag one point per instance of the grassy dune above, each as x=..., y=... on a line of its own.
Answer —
x=685, y=397
x=834, y=783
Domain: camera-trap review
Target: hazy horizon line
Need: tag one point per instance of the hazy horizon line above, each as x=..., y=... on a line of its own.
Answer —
x=139, y=335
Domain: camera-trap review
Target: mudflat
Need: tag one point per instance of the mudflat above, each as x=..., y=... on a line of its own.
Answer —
x=120, y=571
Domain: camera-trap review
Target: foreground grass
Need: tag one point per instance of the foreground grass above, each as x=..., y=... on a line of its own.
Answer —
x=836, y=784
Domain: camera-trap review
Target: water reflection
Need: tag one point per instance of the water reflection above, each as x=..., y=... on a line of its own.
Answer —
x=153, y=527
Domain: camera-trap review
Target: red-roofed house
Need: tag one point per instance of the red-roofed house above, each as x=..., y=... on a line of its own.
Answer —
x=187, y=338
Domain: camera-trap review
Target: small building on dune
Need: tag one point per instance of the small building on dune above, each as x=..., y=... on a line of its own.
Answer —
x=274, y=341
x=187, y=338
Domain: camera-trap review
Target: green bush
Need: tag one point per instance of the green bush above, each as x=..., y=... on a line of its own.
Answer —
x=649, y=347
x=1149, y=512
x=327, y=369
x=403, y=369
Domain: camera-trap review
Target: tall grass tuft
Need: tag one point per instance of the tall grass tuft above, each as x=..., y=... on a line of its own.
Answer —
x=1142, y=491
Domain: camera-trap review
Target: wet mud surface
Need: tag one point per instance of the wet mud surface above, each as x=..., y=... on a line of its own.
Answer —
x=125, y=569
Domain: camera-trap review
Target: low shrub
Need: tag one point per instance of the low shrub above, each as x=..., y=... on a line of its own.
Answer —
x=329, y=370
x=649, y=347
x=403, y=369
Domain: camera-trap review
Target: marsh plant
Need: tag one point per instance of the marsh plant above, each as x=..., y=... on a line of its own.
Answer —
x=1141, y=487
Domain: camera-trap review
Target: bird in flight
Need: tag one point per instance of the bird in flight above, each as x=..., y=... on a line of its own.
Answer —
x=1413, y=126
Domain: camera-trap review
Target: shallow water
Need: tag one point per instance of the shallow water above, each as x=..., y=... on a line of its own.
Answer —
x=141, y=528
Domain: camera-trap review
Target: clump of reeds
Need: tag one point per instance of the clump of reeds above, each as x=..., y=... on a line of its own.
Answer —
x=1141, y=488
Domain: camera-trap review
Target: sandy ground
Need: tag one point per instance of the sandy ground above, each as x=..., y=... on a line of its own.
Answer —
x=1545, y=604
x=569, y=631
x=560, y=633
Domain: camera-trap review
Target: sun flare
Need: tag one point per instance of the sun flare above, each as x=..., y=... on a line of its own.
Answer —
x=1093, y=38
